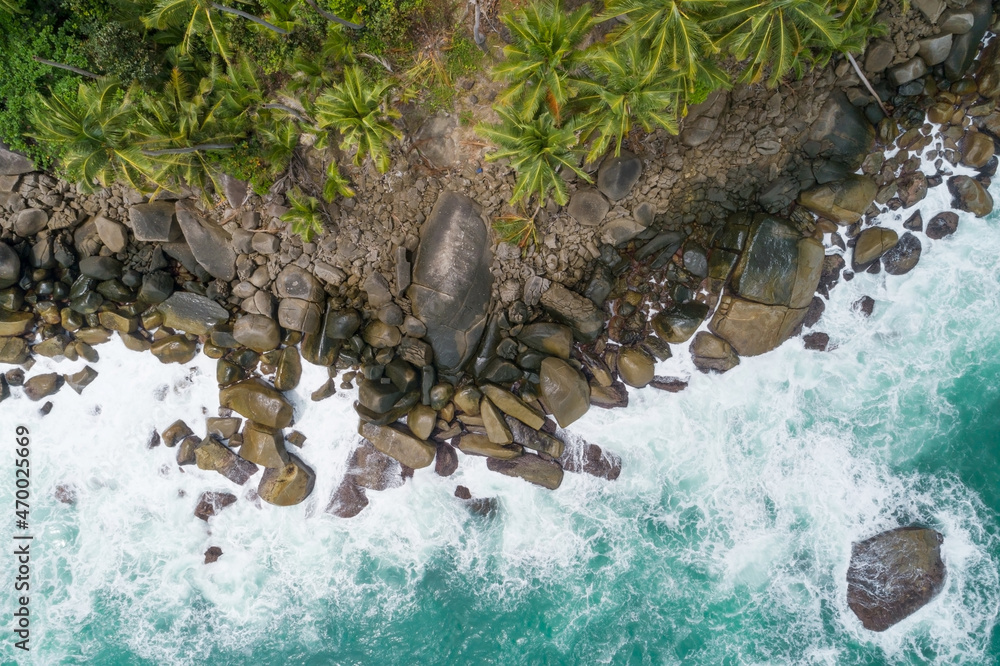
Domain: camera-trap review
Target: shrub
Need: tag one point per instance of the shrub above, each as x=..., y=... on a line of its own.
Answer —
x=121, y=52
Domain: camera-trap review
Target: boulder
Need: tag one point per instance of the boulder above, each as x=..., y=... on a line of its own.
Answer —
x=101, y=268
x=10, y=266
x=112, y=234
x=213, y=554
x=965, y=46
x=934, y=50
x=942, y=224
x=493, y=420
x=296, y=282
x=618, y=175
x=842, y=201
x=977, y=149
x=636, y=367
x=173, y=349
x=370, y=468
x=192, y=313
x=531, y=468
x=577, y=311
x=211, y=245
x=209, y=504
x=480, y=445
x=842, y=132
x=397, y=442
x=13, y=164
x=930, y=8
x=879, y=55
x=30, y=221
x=422, y=420
x=908, y=71
x=348, y=500
x=588, y=207
x=446, y=460
x=257, y=401
x=437, y=143
x=565, y=390
x=452, y=281
x=42, y=386
x=538, y=440
x=513, y=406
x=893, y=574
x=588, y=458
x=15, y=323
x=289, y=369
x=296, y=314
x=711, y=353
x=257, y=332
x=547, y=337
x=911, y=188
x=779, y=266
x=872, y=243
x=213, y=455
x=678, y=323
x=263, y=445
x=154, y=222
x=969, y=195
x=288, y=485
x=754, y=328
x=903, y=256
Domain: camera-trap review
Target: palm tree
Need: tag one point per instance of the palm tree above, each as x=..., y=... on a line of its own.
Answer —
x=94, y=135
x=537, y=149
x=776, y=36
x=675, y=33
x=181, y=126
x=540, y=63
x=197, y=16
x=359, y=110
x=305, y=215
x=622, y=92
x=11, y=6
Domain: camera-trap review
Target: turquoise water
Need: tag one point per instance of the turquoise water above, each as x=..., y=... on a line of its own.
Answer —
x=725, y=540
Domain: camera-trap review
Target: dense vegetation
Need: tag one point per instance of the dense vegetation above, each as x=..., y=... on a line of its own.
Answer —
x=165, y=93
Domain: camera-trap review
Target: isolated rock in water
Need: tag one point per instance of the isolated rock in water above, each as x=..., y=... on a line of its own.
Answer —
x=903, y=256
x=209, y=504
x=42, y=386
x=941, y=225
x=10, y=266
x=969, y=195
x=192, y=313
x=872, y=243
x=618, y=175
x=893, y=574
x=211, y=245
x=452, y=282
x=711, y=353
x=348, y=500
x=531, y=468
x=372, y=469
x=212, y=554
x=287, y=485
x=590, y=459
x=446, y=460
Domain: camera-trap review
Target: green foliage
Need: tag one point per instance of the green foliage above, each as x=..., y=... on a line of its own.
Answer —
x=629, y=87
x=388, y=23
x=93, y=132
x=192, y=17
x=120, y=52
x=305, y=215
x=12, y=6
x=537, y=149
x=463, y=57
x=246, y=162
x=358, y=109
x=540, y=64
x=22, y=79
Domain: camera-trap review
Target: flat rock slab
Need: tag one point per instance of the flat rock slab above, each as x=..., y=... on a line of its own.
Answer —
x=154, y=222
x=893, y=574
x=13, y=164
x=779, y=266
x=192, y=313
x=452, y=282
x=211, y=245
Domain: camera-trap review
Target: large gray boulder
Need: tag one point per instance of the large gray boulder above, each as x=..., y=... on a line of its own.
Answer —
x=893, y=574
x=13, y=164
x=211, y=245
x=618, y=175
x=154, y=222
x=965, y=46
x=10, y=266
x=773, y=284
x=452, y=282
x=843, y=133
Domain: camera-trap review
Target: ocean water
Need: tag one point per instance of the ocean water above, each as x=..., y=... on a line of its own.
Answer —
x=726, y=539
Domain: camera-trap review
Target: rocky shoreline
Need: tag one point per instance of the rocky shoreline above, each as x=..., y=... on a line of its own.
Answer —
x=726, y=237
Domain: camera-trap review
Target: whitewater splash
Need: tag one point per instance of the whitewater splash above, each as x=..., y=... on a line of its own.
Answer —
x=725, y=540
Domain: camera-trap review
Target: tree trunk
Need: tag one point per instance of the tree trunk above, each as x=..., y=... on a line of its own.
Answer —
x=189, y=149
x=250, y=17
x=477, y=35
x=864, y=79
x=69, y=68
x=333, y=17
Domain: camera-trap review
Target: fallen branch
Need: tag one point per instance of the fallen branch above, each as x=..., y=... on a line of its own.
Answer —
x=69, y=68
x=189, y=149
x=864, y=80
x=333, y=17
x=250, y=17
